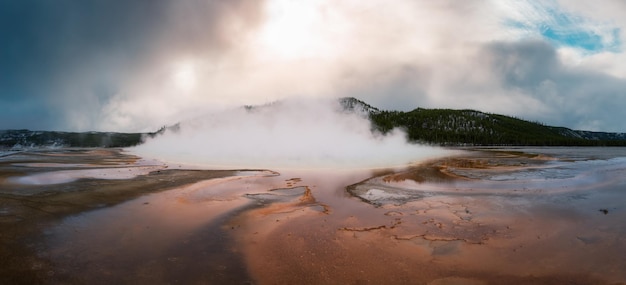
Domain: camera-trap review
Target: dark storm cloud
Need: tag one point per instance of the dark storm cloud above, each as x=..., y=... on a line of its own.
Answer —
x=60, y=55
x=576, y=97
x=43, y=40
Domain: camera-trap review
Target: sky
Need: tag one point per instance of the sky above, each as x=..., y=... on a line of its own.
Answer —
x=137, y=65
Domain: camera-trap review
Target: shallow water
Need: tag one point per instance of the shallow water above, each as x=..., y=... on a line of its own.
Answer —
x=168, y=237
x=489, y=216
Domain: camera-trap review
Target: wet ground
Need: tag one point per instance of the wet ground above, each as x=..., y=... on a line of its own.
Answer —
x=486, y=216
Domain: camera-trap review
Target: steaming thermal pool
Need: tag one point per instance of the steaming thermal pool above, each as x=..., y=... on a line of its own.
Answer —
x=480, y=216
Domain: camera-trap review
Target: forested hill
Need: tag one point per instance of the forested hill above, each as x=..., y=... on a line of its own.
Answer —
x=469, y=127
x=24, y=139
x=433, y=126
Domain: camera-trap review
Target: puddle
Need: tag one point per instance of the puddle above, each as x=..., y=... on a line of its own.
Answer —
x=67, y=176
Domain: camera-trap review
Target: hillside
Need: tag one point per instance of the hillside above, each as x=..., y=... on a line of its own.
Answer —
x=20, y=139
x=433, y=126
x=470, y=127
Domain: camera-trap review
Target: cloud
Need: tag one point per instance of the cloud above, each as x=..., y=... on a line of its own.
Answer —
x=74, y=57
x=562, y=27
x=574, y=96
x=57, y=52
x=139, y=65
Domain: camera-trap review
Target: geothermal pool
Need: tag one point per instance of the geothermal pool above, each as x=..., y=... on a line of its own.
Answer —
x=479, y=216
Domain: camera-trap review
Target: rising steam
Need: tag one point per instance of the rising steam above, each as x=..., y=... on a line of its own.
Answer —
x=301, y=133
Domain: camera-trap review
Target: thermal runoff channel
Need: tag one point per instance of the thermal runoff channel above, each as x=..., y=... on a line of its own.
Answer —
x=303, y=133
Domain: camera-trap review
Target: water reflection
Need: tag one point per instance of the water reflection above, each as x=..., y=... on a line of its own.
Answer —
x=170, y=237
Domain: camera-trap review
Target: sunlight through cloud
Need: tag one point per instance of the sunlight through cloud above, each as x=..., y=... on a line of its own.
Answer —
x=292, y=29
x=184, y=76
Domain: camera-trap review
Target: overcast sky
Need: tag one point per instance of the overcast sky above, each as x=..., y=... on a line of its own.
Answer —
x=137, y=65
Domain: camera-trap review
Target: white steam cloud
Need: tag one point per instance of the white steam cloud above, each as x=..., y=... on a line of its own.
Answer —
x=305, y=133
